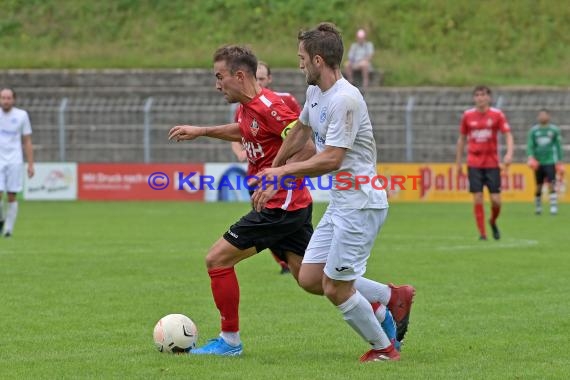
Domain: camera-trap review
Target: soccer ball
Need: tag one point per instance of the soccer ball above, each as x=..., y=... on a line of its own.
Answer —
x=175, y=333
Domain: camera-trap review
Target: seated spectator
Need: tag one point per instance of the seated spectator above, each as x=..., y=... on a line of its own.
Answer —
x=359, y=58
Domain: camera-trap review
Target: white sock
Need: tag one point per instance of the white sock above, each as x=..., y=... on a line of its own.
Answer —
x=357, y=312
x=553, y=199
x=11, y=216
x=231, y=338
x=373, y=291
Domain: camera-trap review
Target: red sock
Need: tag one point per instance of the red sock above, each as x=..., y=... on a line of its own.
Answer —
x=495, y=211
x=479, y=212
x=225, y=289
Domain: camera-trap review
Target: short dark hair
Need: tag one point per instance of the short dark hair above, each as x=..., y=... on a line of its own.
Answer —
x=264, y=64
x=485, y=89
x=237, y=58
x=9, y=89
x=544, y=109
x=324, y=40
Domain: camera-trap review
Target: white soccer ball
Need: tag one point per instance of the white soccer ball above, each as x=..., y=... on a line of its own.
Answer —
x=175, y=333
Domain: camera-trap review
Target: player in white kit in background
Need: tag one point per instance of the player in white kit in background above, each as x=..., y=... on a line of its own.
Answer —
x=15, y=132
x=336, y=114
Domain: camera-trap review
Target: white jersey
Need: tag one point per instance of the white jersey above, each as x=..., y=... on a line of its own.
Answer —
x=339, y=118
x=13, y=125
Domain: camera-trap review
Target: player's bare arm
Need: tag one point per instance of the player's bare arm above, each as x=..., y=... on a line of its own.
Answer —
x=459, y=153
x=238, y=150
x=29, y=151
x=228, y=132
x=324, y=162
x=294, y=141
x=508, y=159
x=308, y=151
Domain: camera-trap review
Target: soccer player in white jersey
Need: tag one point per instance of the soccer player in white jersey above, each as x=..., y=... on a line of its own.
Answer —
x=15, y=132
x=336, y=114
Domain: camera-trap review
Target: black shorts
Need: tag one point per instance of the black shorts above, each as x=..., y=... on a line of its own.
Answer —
x=279, y=230
x=480, y=177
x=545, y=172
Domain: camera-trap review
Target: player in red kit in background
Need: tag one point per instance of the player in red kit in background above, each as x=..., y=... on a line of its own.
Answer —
x=479, y=128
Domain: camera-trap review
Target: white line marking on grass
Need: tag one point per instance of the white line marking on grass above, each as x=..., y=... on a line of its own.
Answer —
x=512, y=243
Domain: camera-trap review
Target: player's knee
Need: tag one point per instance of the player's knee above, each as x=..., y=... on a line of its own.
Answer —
x=336, y=293
x=216, y=259
x=478, y=198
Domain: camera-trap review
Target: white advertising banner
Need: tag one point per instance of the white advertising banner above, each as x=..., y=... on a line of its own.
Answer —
x=225, y=182
x=52, y=181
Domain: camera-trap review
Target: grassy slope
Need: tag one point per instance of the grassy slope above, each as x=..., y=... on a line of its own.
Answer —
x=418, y=42
x=84, y=283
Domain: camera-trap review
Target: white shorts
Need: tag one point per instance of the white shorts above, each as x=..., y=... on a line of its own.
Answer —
x=11, y=178
x=343, y=241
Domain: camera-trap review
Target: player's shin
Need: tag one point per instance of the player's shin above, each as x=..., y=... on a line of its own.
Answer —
x=225, y=290
x=479, y=213
x=553, y=202
x=357, y=312
x=11, y=215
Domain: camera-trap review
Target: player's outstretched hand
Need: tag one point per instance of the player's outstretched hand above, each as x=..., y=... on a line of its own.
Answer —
x=185, y=132
x=267, y=183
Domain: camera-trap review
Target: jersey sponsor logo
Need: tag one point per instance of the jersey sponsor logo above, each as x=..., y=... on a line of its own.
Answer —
x=8, y=132
x=543, y=140
x=253, y=152
x=481, y=135
x=319, y=139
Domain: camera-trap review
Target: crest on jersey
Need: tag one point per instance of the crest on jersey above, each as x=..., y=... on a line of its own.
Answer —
x=489, y=122
x=254, y=127
x=323, y=115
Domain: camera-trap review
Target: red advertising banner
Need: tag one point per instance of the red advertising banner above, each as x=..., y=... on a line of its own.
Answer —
x=136, y=182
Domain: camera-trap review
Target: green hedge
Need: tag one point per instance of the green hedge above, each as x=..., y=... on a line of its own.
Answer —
x=418, y=42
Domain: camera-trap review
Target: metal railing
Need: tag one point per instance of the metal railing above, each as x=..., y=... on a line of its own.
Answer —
x=412, y=127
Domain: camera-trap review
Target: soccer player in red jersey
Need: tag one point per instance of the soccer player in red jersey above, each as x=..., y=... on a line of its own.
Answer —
x=264, y=79
x=285, y=225
x=479, y=128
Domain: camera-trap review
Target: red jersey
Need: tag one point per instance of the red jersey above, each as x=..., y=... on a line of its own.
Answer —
x=481, y=129
x=290, y=101
x=261, y=122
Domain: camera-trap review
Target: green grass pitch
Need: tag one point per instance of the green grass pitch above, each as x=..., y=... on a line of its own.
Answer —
x=82, y=285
